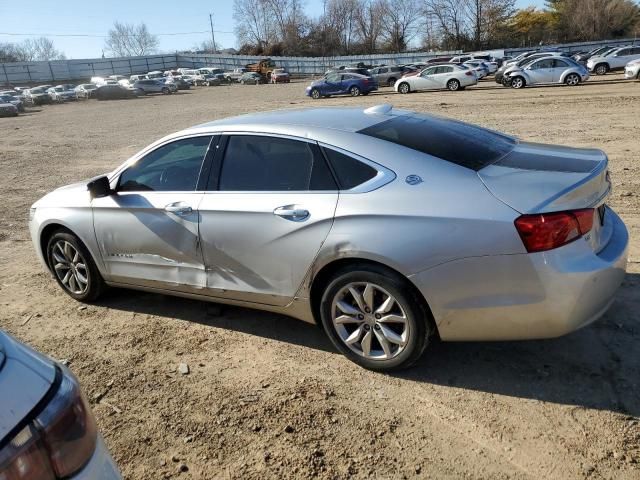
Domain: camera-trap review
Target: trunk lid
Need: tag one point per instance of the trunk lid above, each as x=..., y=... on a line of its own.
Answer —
x=538, y=178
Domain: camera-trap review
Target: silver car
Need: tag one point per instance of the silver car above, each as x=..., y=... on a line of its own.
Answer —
x=47, y=429
x=547, y=70
x=632, y=70
x=386, y=227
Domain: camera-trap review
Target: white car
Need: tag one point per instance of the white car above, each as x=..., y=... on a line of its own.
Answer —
x=548, y=70
x=47, y=429
x=437, y=77
x=632, y=70
x=615, y=60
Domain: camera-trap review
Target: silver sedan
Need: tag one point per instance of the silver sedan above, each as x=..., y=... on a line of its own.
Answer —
x=386, y=227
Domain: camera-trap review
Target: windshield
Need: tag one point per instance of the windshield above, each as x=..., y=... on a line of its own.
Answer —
x=456, y=142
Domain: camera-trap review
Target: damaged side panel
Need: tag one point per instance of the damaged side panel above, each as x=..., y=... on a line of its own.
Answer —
x=145, y=240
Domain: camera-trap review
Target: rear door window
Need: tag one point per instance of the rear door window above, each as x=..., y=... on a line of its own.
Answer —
x=456, y=142
x=262, y=163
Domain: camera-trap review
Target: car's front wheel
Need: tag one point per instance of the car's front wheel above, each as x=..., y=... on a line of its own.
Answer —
x=165, y=91
x=374, y=319
x=518, y=82
x=72, y=266
x=315, y=94
x=602, y=69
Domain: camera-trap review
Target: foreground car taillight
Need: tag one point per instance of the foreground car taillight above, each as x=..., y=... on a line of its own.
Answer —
x=546, y=231
x=469, y=73
x=58, y=442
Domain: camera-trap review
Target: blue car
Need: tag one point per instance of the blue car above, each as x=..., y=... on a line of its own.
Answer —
x=337, y=83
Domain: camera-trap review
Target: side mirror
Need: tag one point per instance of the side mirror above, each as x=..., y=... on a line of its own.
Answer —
x=99, y=187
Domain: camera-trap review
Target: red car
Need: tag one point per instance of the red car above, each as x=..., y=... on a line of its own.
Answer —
x=279, y=75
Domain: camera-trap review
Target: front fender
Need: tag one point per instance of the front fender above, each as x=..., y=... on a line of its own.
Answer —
x=78, y=220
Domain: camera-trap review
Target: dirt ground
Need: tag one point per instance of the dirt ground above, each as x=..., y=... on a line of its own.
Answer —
x=267, y=396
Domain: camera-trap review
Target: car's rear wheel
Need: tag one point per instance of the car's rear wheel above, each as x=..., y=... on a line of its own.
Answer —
x=354, y=91
x=315, y=94
x=391, y=82
x=602, y=69
x=453, y=85
x=73, y=268
x=518, y=82
x=404, y=87
x=373, y=318
x=572, y=79
x=165, y=91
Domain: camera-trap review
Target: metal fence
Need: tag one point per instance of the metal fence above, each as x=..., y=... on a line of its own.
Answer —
x=77, y=70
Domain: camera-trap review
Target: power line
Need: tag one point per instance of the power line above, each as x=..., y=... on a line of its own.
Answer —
x=89, y=35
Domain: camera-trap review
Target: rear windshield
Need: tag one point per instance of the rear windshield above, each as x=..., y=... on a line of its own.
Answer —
x=460, y=143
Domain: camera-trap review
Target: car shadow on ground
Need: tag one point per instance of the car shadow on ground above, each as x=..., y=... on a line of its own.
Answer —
x=245, y=320
x=596, y=367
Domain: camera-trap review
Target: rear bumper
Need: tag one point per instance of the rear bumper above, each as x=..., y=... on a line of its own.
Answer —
x=526, y=296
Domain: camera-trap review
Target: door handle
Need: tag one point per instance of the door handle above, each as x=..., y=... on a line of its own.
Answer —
x=179, y=208
x=292, y=212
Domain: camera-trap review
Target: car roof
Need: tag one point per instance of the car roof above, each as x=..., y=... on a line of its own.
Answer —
x=300, y=121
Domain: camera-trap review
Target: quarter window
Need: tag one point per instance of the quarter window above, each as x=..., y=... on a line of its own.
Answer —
x=350, y=172
x=263, y=163
x=172, y=167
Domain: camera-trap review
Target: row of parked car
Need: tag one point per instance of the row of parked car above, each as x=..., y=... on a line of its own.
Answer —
x=456, y=73
x=14, y=101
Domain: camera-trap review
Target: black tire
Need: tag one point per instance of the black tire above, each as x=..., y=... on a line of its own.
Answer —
x=391, y=82
x=354, y=91
x=95, y=284
x=418, y=319
x=453, y=85
x=518, y=82
x=404, y=88
x=601, y=69
x=166, y=91
x=315, y=94
x=572, y=80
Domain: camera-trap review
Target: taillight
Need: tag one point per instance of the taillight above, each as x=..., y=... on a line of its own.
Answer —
x=546, y=231
x=57, y=443
x=469, y=73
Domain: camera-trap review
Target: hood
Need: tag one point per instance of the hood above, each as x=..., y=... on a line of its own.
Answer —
x=73, y=195
x=25, y=373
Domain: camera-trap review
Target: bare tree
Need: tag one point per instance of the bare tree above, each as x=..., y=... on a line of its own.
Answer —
x=254, y=22
x=340, y=18
x=129, y=40
x=484, y=18
x=450, y=17
x=41, y=49
x=400, y=22
x=369, y=19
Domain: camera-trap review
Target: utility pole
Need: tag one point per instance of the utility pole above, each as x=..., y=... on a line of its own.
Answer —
x=213, y=38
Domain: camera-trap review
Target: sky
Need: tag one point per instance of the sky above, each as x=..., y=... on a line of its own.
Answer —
x=94, y=18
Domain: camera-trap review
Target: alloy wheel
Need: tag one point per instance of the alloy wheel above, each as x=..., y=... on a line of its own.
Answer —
x=370, y=321
x=573, y=80
x=70, y=267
